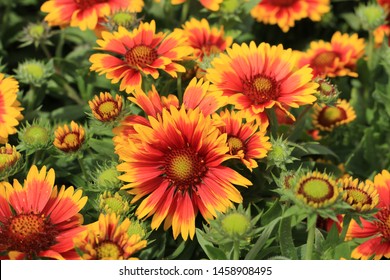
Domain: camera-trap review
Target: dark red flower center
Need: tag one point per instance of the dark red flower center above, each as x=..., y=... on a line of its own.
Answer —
x=324, y=59
x=184, y=168
x=330, y=115
x=261, y=89
x=86, y=4
x=284, y=3
x=27, y=233
x=384, y=222
x=141, y=56
x=72, y=141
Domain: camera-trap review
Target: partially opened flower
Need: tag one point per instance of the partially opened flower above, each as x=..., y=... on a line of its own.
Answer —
x=377, y=232
x=285, y=13
x=335, y=58
x=39, y=220
x=9, y=157
x=9, y=107
x=69, y=139
x=84, y=14
x=326, y=118
x=256, y=78
x=205, y=40
x=247, y=141
x=362, y=196
x=129, y=54
x=108, y=239
x=176, y=170
x=105, y=107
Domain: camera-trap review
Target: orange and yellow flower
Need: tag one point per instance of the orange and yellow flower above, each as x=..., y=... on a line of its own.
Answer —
x=9, y=156
x=39, y=220
x=378, y=231
x=108, y=239
x=335, y=58
x=9, y=107
x=69, y=139
x=206, y=41
x=256, y=78
x=326, y=118
x=247, y=141
x=176, y=170
x=105, y=107
x=285, y=13
x=380, y=34
x=129, y=54
x=85, y=14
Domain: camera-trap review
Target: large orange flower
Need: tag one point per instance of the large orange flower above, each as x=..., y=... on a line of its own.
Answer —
x=85, y=13
x=259, y=77
x=205, y=40
x=284, y=13
x=127, y=55
x=108, y=239
x=335, y=58
x=9, y=107
x=38, y=220
x=176, y=170
x=377, y=231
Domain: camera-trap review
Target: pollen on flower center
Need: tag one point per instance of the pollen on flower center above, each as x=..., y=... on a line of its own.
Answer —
x=384, y=222
x=184, y=167
x=29, y=233
x=358, y=196
x=235, y=144
x=331, y=115
x=261, y=89
x=108, y=250
x=141, y=56
x=282, y=2
x=107, y=107
x=324, y=59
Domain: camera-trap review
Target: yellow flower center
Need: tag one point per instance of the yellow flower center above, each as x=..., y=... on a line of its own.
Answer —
x=141, y=56
x=71, y=139
x=235, y=145
x=331, y=115
x=235, y=224
x=317, y=191
x=261, y=89
x=108, y=250
x=284, y=3
x=384, y=222
x=324, y=59
x=184, y=167
x=28, y=233
x=358, y=196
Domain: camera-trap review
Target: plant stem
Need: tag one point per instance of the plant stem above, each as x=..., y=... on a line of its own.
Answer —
x=310, y=240
x=236, y=250
x=299, y=123
x=184, y=11
x=179, y=88
x=370, y=50
x=83, y=170
x=346, y=222
x=46, y=51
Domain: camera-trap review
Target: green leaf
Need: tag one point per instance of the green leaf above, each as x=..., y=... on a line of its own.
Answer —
x=102, y=146
x=313, y=148
x=208, y=247
x=286, y=241
x=69, y=113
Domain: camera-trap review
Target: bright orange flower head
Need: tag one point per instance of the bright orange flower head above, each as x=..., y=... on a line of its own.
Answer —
x=69, y=139
x=108, y=239
x=38, y=220
x=84, y=13
x=205, y=40
x=381, y=33
x=247, y=141
x=335, y=58
x=105, y=107
x=259, y=77
x=285, y=13
x=176, y=170
x=377, y=231
x=127, y=55
x=326, y=118
x=9, y=107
